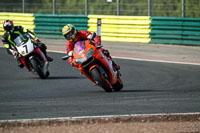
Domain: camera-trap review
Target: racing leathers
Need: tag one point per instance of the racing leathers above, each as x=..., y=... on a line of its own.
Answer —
x=8, y=42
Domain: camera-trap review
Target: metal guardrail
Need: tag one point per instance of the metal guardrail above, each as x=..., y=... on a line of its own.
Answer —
x=50, y=26
x=122, y=28
x=173, y=30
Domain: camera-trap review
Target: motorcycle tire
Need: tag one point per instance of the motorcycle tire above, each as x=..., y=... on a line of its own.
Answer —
x=38, y=69
x=118, y=85
x=100, y=79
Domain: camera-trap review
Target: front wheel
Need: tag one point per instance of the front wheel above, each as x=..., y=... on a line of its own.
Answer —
x=100, y=79
x=38, y=68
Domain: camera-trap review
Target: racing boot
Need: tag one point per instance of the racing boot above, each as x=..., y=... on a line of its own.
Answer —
x=107, y=53
x=20, y=63
x=49, y=58
x=43, y=47
x=116, y=66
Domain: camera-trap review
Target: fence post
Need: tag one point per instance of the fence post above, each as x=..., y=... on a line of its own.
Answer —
x=23, y=6
x=183, y=8
x=118, y=7
x=86, y=7
x=149, y=7
x=54, y=6
x=99, y=28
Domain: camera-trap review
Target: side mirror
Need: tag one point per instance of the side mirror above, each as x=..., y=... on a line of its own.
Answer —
x=93, y=35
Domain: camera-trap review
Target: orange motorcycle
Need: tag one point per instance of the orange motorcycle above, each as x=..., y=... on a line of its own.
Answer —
x=95, y=66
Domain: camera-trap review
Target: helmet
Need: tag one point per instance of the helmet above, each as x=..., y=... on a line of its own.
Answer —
x=69, y=32
x=8, y=25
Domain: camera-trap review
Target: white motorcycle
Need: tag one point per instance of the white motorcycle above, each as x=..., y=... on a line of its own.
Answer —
x=31, y=55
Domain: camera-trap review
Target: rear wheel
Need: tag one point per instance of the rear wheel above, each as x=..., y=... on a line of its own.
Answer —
x=100, y=79
x=38, y=68
x=118, y=85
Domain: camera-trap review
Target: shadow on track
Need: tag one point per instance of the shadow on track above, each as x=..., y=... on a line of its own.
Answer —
x=63, y=77
x=49, y=78
x=124, y=91
x=139, y=90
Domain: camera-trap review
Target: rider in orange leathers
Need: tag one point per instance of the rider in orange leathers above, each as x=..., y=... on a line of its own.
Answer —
x=72, y=36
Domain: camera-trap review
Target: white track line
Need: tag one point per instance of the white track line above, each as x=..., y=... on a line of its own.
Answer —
x=103, y=116
x=139, y=59
x=160, y=61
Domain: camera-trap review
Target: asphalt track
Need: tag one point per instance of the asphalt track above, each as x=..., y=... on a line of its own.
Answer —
x=149, y=88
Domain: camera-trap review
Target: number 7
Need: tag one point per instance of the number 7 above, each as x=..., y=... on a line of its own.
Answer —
x=25, y=46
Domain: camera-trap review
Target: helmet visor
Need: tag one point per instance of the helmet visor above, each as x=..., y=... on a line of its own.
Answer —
x=8, y=28
x=70, y=34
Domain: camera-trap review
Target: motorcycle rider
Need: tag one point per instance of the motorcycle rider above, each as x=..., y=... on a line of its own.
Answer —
x=11, y=32
x=72, y=35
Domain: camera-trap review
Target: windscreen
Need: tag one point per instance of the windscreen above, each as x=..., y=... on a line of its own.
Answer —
x=21, y=39
x=79, y=47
